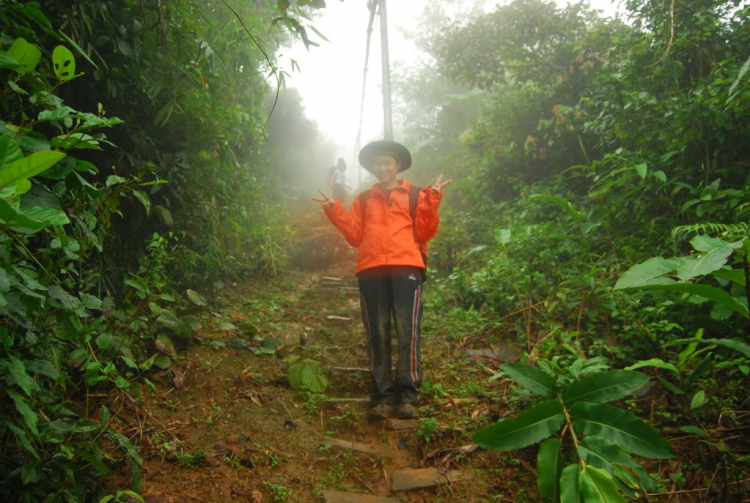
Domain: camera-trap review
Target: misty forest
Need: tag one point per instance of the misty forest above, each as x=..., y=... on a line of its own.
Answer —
x=180, y=322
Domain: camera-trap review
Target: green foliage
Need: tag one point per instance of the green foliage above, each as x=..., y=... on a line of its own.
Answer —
x=603, y=436
x=92, y=238
x=307, y=374
x=714, y=252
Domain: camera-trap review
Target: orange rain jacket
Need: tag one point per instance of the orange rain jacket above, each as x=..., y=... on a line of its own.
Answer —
x=386, y=236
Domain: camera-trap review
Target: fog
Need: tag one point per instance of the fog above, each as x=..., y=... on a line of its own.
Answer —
x=329, y=77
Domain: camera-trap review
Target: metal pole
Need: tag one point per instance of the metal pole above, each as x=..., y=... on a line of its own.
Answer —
x=387, y=115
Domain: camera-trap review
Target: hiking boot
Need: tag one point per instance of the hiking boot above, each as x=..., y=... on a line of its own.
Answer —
x=381, y=411
x=407, y=411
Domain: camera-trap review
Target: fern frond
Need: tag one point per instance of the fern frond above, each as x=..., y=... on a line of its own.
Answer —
x=738, y=230
x=743, y=210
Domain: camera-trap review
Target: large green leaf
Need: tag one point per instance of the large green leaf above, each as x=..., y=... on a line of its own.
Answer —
x=549, y=465
x=307, y=374
x=714, y=257
x=64, y=63
x=28, y=55
x=532, y=426
x=734, y=344
x=93, y=460
x=736, y=275
x=597, y=486
x=647, y=273
x=709, y=292
x=31, y=219
x=30, y=417
x=602, y=453
x=13, y=371
x=533, y=379
x=21, y=436
x=29, y=166
x=605, y=386
x=10, y=151
x=654, y=362
x=703, y=243
x=569, y=491
x=7, y=62
x=621, y=427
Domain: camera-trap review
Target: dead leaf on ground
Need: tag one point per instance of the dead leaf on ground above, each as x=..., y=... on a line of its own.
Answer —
x=179, y=379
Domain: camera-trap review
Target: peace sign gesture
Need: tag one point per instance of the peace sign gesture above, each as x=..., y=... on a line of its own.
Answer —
x=438, y=187
x=327, y=202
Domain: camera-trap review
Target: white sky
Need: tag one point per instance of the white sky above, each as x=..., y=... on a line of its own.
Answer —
x=330, y=80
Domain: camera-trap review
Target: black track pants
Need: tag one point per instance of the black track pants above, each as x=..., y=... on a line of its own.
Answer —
x=393, y=292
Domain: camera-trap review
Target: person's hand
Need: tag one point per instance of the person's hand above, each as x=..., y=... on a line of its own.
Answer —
x=327, y=202
x=438, y=187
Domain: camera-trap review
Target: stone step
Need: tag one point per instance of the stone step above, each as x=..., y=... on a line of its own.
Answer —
x=343, y=497
x=421, y=478
x=345, y=401
x=370, y=450
x=401, y=424
x=343, y=319
x=351, y=369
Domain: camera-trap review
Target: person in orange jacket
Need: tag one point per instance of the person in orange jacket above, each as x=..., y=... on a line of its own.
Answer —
x=390, y=230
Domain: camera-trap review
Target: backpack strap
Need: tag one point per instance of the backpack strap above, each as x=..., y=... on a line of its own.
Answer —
x=413, y=201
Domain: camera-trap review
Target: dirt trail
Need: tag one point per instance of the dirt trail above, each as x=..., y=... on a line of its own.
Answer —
x=226, y=425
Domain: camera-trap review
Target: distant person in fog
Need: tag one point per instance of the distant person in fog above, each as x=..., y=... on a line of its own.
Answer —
x=337, y=180
x=391, y=224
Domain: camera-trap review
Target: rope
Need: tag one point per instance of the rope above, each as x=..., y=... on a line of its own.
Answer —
x=371, y=5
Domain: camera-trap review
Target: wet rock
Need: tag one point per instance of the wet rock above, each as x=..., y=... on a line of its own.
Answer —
x=420, y=478
x=404, y=442
x=343, y=497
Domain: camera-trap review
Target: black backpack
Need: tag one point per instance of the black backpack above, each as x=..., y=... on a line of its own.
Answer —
x=413, y=200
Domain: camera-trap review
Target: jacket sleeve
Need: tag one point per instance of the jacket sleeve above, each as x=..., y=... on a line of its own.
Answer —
x=427, y=218
x=349, y=223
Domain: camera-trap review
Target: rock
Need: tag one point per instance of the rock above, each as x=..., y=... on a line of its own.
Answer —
x=342, y=497
x=240, y=344
x=503, y=353
x=370, y=450
x=401, y=424
x=420, y=478
x=344, y=401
